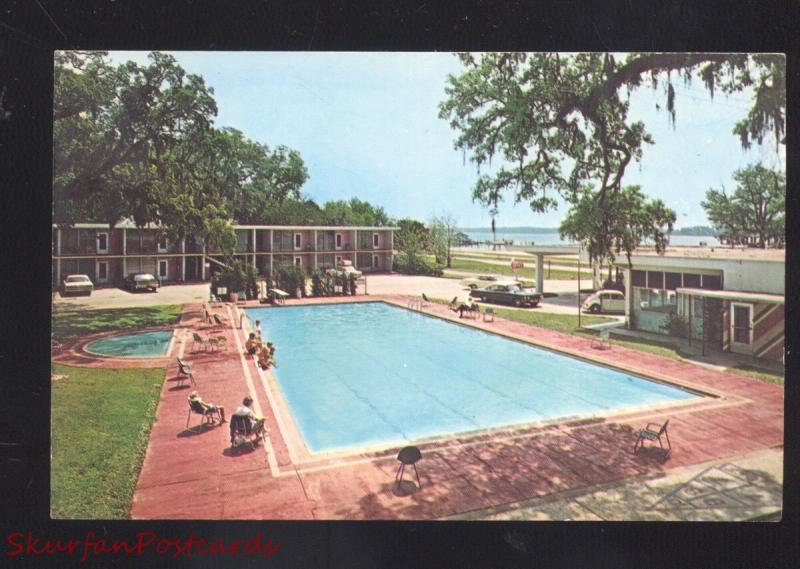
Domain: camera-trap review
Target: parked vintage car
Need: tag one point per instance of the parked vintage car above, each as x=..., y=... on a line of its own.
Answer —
x=480, y=281
x=346, y=267
x=507, y=293
x=141, y=281
x=607, y=300
x=77, y=284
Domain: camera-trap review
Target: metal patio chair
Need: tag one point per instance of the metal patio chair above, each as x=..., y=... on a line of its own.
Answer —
x=653, y=432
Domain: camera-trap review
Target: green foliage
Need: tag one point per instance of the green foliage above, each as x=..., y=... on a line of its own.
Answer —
x=625, y=220
x=233, y=276
x=317, y=288
x=290, y=279
x=560, y=122
x=69, y=322
x=101, y=421
x=676, y=326
x=755, y=213
x=353, y=212
x=138, y=141
x=353, y=283
x=442, y=236
x=417, y=265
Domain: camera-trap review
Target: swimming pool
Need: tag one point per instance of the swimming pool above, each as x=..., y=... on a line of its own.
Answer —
x=138, y=345
x=369, y=374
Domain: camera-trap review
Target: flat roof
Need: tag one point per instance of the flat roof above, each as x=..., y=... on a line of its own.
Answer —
x=727, y=253
x=127, y=224
x=734, y=295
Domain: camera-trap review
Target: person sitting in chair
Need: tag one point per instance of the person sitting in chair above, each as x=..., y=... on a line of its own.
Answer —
x=253, y=344
x=208, y=408
x=265, y=357
x=257, y=426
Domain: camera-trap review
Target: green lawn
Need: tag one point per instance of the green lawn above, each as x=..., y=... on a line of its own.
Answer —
x=101, y=421
x=761, y=374
x=566, y=323
x=472, y=266
x=69, y=323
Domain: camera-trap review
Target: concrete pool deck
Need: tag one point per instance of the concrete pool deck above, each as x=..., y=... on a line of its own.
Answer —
x=528, y=472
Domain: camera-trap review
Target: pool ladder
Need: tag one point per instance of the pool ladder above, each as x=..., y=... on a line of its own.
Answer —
x=415, y=303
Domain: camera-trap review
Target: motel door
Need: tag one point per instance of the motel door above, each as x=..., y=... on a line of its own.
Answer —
x=741, y=328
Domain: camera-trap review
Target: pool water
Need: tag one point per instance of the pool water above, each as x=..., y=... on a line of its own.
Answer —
x=138, y=345
x=357, y=375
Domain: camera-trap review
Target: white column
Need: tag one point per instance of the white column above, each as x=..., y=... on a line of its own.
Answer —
x=58, y=254
x=626, y=274
x=203, y=268
x=124, y=253
x=254, y=247
x=540, y=273
x=271, y=249
x=183, y=259
x=316, y=262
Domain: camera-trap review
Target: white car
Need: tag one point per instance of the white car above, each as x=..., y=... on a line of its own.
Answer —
x=481, y=281
x=77, y=284
x=607, y=300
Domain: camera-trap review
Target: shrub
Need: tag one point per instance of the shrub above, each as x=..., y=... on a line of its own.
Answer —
x=316, y=283
x=417, y=266
x=676, y=326
x=234, y=276
x=353, y=284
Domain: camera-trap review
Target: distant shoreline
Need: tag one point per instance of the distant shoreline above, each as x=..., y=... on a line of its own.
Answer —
x=692, y=231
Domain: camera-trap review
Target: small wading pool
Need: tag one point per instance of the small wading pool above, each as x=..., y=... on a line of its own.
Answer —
x=138, y=345
x=367, y=374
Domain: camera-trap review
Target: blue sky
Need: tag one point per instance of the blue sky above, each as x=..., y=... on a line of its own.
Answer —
x=366, y=125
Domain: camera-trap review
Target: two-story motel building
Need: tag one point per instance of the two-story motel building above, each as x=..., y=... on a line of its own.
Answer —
x=108, y=255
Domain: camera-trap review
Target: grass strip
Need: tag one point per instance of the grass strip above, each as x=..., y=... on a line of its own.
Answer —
x=101, y=422
x=69, y=322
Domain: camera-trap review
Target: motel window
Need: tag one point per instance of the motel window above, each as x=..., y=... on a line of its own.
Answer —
x=375, y=239
x=338, y=261
x=657, y=300
x=691, y=280
x=655, y=279
x=712, y=282
x=672, y=281
x=375, y=262
x=298, y=241
x=162, y=270
x=163, y=245
x=298, y=262
x=338, y=240
x=102, y=242
x=639, y=278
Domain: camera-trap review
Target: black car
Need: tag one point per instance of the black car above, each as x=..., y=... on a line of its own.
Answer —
x=141, y=281
x=507, y=293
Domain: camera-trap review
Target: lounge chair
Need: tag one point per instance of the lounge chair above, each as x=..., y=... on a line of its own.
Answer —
x=653, y=432
x=220, y=320
x=601, y=341
x=185, y=371
x=210, y=414
x=425, y=300
x=197, y=339
x=488, y=311
x=218, y=342
x=242, y=428
x=453, y=304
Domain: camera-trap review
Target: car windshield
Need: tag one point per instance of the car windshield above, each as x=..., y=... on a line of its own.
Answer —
x=512, y=288
x=78, y=279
